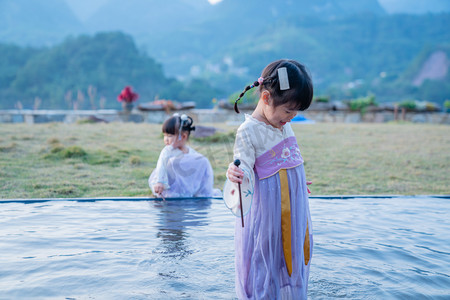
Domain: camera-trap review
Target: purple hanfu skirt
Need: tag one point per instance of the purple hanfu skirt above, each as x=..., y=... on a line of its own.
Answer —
x=261, y=271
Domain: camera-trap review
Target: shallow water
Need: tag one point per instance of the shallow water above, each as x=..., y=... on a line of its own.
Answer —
x=365, y=248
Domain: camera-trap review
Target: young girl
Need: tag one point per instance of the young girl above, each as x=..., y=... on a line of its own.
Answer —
x=274, y=248
x=181, y=171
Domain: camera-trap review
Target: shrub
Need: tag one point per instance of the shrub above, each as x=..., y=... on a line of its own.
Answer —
x=408, y=104
x=324, y=99
x=73, y=151
x=447, y=105
x=361, y=104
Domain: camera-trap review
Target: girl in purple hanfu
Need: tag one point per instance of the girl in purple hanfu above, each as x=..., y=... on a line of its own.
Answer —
x=274, y=248
x=181, y=171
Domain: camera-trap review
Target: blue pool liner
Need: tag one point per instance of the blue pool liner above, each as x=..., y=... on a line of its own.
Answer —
x=38, y=200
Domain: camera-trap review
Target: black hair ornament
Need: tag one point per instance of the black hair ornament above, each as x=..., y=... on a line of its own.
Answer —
x=185, y=124
x=248, y=87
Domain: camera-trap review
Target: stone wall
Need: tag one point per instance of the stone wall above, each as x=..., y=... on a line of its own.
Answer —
x=209, y=116
x=377, y=117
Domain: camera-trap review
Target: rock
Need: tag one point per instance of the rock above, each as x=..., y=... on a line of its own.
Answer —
x=203, y=131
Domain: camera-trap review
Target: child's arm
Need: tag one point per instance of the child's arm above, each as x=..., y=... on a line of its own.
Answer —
x=245, y=152
x=158, y=180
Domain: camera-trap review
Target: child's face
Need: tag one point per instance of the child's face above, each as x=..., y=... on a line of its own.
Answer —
x=280, y=115
x=173, y=139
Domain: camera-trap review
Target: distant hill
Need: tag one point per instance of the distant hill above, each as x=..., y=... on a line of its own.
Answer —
x=230, y=22
x=80, y=71
x=345, y=43
x=261, y=9
x=37, y=23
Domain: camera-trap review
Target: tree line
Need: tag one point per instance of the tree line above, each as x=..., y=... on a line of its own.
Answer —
x=88, y=72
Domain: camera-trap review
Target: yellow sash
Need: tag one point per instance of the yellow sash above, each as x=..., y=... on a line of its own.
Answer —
x=286, y=220
x=286, y=224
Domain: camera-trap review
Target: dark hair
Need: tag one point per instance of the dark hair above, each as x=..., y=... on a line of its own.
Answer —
x=173, y=124
x=300, y=92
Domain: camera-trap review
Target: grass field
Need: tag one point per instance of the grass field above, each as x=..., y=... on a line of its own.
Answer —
x=115, y=159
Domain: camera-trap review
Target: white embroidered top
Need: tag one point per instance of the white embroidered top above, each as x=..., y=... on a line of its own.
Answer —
x=183, y=174
x=254, y=138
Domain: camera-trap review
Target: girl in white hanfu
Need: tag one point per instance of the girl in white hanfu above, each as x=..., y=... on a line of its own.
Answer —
x=274, y=248
x=181, y=171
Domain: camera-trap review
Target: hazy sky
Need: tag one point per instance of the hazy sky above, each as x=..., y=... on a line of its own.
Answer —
x=414, y=6
x=85, y=8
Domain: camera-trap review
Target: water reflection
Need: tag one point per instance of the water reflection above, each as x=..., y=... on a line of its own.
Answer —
x=174, y=218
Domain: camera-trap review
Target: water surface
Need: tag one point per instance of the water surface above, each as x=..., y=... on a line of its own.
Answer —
x=365, y=248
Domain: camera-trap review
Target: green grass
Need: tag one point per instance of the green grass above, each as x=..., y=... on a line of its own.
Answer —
x=112, y=160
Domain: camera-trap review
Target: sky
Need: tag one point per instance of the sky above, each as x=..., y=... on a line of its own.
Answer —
x=414, y=6
x=403, y=6
x=85, y=8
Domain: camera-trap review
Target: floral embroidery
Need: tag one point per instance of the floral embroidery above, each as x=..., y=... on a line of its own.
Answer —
x=288, y=154
x=285, y=153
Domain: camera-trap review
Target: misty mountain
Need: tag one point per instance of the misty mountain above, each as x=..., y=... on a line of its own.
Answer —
x=227, y=44
x=263, y=9
x=218, y=28
x=153, y=17
x=42, y=22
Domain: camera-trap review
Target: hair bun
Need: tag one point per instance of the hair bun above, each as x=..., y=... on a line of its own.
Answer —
x=186, y=123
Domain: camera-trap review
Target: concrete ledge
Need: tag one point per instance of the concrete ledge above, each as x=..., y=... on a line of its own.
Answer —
x=96, y=199
x=207, y=116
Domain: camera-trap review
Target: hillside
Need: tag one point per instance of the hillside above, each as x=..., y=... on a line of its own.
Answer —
x=85, y=71
x=352, y=47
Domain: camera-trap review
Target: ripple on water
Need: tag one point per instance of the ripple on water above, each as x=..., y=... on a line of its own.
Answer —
x=364, y=248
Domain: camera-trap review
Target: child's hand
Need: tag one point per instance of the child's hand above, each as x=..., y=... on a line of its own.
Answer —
x=235, y=174
x=158, y=188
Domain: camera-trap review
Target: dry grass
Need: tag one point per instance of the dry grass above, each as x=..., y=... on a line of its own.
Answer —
x=111, y=160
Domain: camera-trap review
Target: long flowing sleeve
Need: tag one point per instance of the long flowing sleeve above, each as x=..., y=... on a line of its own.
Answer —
x=207, y=181
x=244, y=150
x=159, y=174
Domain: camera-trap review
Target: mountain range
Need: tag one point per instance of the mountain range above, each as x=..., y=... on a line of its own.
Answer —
x=342, y=41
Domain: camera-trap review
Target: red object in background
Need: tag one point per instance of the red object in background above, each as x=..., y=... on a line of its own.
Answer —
x=127, y=95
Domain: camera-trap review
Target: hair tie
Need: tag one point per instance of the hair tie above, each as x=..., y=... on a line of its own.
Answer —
x=260, y=80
